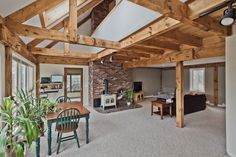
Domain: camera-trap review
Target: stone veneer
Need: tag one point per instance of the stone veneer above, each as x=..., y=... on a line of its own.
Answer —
x=118, y=78
x=99, y=13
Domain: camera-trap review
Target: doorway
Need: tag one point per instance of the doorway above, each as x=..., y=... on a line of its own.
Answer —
x=73, y=86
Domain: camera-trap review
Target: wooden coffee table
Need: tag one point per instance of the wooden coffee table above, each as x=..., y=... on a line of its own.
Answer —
x=161, y=105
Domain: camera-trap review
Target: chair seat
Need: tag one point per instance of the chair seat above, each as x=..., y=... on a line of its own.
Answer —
x=62, y=129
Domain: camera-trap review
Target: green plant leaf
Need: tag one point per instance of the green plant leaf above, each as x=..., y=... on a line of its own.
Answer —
x=19, y=150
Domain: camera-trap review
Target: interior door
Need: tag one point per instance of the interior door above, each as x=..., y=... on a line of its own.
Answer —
x=73, y=86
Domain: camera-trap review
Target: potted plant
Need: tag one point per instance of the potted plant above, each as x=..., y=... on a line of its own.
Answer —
x=18, y=131
x=129, y=97
x=36, y=107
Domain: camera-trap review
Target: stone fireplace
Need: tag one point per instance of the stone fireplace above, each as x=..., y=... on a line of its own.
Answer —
x=118, y=78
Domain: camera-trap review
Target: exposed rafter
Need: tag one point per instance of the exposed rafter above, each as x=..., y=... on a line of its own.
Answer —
x=178, y=10
x=60, y=11
x=53, y=43
x=197, y=53
x=168, y=58
x=174, y=10
x=200, y=6
x=184, y=38
x=152, y=43
x=12, y=40
x=62, y=60
x=59, y=26
x=42, y=33
x=157, y=27
x=54, y=52
x=31, y=10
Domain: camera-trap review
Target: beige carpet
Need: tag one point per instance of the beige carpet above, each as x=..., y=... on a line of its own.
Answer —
x=135, y=133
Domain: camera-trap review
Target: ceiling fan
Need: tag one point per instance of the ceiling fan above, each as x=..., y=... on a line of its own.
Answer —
x=229, y=14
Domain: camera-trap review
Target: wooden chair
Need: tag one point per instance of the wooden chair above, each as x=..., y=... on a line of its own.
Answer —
x=63, y=99
x=67, y=121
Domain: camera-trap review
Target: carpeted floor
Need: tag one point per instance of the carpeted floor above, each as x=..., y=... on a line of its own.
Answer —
x=135, y=133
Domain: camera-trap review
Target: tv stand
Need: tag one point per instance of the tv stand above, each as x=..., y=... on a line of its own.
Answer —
x=138, y=96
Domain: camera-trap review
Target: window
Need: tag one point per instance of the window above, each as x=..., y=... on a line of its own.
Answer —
x=197, y=80
x=22, y=76
x=73, y=83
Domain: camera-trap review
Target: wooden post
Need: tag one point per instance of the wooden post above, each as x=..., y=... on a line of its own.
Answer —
x=66, y=45
x=8, y=71
x=179, y=95
x=38, y=79
x=73, y=20
x=161, y=77
x=216, y=88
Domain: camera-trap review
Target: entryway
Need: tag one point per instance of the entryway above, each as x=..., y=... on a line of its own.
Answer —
x=73, y=86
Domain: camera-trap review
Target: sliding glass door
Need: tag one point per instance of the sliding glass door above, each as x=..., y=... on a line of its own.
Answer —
x=74, y=84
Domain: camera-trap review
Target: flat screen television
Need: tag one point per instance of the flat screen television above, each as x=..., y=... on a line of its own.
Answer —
x=45, y=79
x=138, y=87
x=57, y=78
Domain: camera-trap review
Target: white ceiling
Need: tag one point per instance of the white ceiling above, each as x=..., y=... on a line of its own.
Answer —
x=9, y=6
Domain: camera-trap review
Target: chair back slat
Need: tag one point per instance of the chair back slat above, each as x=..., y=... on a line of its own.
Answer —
x=62, y=99
x=68, y=119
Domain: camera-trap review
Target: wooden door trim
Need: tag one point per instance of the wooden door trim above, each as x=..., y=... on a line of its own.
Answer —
x=81, y=82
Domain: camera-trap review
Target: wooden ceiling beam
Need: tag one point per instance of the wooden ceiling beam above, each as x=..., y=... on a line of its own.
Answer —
x=53, y=43
x=145, y=50
x=50, y=45
x=184, y=38
x=186, y=13
x=1, y=19
x=123, y=58
x=124, y=54
x=161, y=44
x=61, y=60
x=59, y=26
x=62, y=10
x=137, y=53
x=197, y=53
x=171, y=8
x=42, y=33
x=159, y=26
x=168, y=58
x=15, y=42
x=198, y=7
x=53, y=52
x=31, y=10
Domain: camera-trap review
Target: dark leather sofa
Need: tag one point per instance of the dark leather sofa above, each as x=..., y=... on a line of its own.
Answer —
x=192, y=103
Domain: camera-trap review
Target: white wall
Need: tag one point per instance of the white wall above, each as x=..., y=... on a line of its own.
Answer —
x=169, y=79
x=230, y=94
x=150, y=78
x=46, y=70
x=2, y=72
x=169, y=82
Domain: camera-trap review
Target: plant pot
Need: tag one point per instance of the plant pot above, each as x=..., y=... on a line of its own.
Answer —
x=9, y=152
x=128, y=103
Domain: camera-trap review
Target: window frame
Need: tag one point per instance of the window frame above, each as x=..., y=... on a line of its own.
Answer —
x=19, y=75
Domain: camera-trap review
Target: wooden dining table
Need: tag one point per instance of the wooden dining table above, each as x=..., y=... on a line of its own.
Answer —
x=52, y=118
